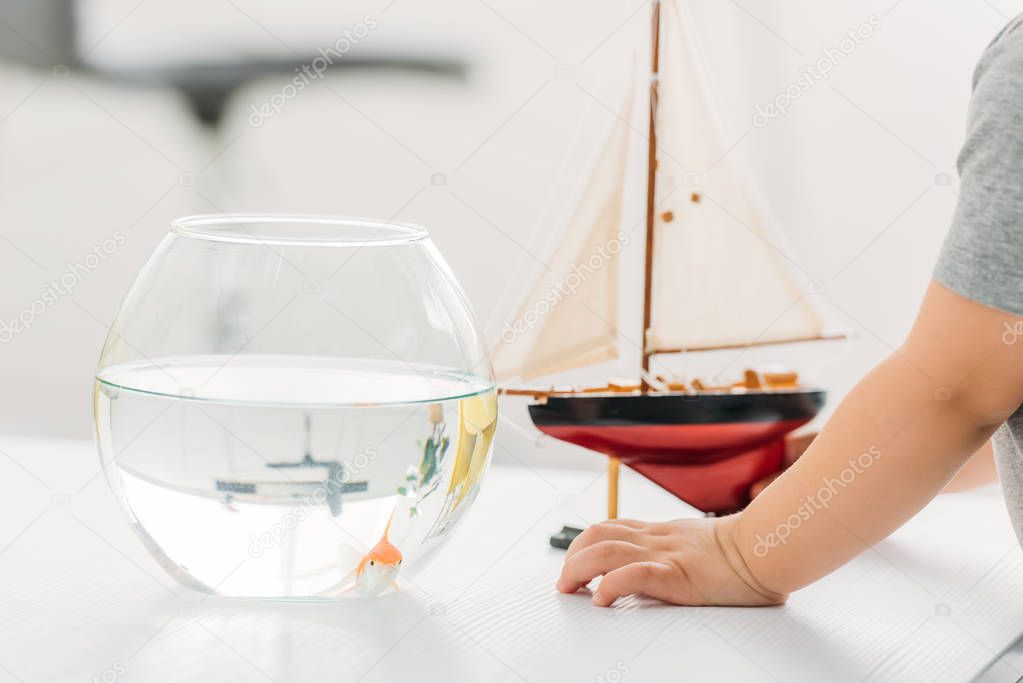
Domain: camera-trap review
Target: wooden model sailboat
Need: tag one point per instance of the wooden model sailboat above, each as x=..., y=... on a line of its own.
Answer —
x=712, y=280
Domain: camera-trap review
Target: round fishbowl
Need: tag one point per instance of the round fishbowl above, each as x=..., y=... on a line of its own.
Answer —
x=294, y=406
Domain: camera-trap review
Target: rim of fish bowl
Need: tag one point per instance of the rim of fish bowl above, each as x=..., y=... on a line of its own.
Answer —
x=297, y=230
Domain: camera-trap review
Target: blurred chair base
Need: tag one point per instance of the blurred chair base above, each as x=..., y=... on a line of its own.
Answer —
x=209, y=87
x=43, y=34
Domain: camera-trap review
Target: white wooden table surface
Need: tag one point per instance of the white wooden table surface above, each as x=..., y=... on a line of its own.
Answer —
x=81, y=600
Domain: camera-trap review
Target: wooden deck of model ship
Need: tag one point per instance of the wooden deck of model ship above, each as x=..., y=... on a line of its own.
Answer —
x=752, y=380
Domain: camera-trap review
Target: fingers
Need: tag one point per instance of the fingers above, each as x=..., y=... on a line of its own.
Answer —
x=612, y=530
x=649, y=578
x=596, y=560
x=626, y=522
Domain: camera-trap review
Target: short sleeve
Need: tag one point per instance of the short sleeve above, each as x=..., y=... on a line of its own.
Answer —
x=982, y=257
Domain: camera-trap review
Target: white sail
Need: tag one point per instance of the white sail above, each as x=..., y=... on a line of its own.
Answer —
x=718, y=278
x=570, y=317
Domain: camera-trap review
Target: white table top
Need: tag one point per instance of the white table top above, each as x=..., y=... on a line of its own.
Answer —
x=82, y=600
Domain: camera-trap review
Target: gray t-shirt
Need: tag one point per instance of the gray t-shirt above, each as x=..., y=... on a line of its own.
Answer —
x=982, y=258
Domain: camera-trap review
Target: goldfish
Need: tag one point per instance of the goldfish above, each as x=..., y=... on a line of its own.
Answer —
x=376, y=571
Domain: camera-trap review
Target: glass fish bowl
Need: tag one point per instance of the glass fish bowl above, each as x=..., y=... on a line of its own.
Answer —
x=294, y=406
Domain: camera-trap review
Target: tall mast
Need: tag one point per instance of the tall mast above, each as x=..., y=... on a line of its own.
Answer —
x=651, y=175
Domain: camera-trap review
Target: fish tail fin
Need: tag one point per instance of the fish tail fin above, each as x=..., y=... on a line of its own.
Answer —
x=350, y=581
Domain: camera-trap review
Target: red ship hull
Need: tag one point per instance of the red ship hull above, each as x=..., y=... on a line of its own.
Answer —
x=707, y=449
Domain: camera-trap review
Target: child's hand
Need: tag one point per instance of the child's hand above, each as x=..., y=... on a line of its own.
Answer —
x=686, y=562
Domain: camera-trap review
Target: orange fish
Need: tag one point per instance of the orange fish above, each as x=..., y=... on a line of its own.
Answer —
x=377, y=569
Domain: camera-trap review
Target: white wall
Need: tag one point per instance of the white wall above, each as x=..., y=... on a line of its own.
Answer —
x=849, y=172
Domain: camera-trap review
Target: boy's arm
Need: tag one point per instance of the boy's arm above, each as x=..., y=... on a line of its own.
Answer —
x=978, y=471
x=917, y=417
x=893, y=443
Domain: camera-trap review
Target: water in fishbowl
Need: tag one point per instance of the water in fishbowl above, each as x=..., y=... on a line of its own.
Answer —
x=289, y=476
